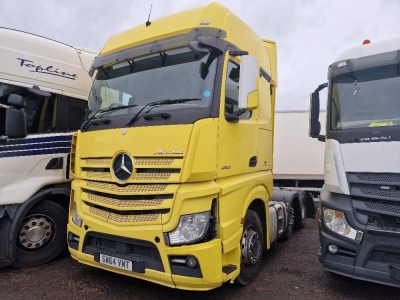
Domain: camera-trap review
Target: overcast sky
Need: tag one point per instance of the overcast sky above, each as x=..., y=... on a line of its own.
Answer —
x=309, y=34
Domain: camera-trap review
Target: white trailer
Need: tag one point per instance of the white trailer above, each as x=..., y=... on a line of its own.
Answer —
x=44, y=84
x=298, y=161
x=298, y=158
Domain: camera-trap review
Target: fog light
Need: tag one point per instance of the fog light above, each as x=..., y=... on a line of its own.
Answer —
x=191, y=262
x=333, y=249
x=73, y=237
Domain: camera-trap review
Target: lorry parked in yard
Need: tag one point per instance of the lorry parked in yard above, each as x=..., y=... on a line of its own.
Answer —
x=360, y=200
x=44, y=87
x=173, y=165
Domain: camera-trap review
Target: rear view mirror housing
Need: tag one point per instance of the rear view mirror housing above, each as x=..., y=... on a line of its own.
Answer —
x=314, y=124
x=15, y=123
x=13, y=120
x=249, y=82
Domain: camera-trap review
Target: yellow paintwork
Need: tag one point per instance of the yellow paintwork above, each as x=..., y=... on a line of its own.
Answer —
x=217, y=15
x=212, y=157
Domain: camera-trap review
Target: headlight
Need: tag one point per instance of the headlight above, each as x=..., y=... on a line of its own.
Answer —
x=75, y=218
x=191, y=228
x=336, y=221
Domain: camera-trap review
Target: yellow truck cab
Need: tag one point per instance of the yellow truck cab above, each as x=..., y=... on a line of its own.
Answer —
x=173, y=163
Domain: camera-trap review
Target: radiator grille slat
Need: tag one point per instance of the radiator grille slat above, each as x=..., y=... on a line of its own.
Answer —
x=145, y=198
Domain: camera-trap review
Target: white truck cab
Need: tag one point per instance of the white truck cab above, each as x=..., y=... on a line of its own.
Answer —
x=360, y=200
x=44, y=85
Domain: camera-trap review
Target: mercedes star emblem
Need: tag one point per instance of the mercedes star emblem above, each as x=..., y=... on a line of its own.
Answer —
x=122, y=167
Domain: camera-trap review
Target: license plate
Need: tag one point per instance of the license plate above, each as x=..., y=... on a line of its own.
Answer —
x=116, y=262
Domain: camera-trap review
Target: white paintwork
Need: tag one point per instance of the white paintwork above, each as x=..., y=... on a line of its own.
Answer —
x=334, y=168
x=23, y=176
x=381, y=157
x=371, y=49
x=296, y=155
x=364, y=157
x=39, y=51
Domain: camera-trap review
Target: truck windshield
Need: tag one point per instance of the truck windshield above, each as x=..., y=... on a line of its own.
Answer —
x=366, y=98
x=134, y=84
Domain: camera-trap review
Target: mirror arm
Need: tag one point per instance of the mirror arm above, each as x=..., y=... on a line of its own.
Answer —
x=231, y=118
x=321, y=87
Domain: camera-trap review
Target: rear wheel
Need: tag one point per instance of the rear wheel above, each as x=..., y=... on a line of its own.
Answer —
x=289, y=229
x=251, y=248
x=42, y=235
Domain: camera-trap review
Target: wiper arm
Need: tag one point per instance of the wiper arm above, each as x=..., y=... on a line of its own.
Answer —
x=104, y=110
x=159, y=102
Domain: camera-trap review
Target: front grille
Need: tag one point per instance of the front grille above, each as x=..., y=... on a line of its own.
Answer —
x=160, y=169
x=131, y=188
x=154, y=161
x=98, y=161
x=377, y=178
x=375, y=191
x=377, y=196
x=124, y=203
x=127, y=207
x=379, y=186
x=145, y=198
x=381, y=207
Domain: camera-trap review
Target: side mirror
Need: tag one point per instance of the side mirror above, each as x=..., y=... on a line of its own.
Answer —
x=315, y=125
x=15, y=123
x=16, y=101
x=249, y=82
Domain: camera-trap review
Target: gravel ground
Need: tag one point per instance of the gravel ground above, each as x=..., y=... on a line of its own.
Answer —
x=290, y=270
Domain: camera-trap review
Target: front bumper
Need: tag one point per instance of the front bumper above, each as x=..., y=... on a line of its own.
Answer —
x=375, y=258
x=151, y=259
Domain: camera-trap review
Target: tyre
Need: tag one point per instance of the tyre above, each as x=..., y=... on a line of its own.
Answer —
x=289, y=229
x=42, y=235
x=251, y=247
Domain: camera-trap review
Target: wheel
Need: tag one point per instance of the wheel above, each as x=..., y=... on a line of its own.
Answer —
x=289, y=230
x=42, y=235
x=251, y=248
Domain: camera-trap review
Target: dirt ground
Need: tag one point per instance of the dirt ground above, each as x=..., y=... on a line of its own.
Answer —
x=290, y=270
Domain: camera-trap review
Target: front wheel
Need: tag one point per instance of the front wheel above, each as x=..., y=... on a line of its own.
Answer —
x=42, y=235
x=251, y=248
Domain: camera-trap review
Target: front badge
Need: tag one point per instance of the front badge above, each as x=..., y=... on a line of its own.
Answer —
x=122, y=166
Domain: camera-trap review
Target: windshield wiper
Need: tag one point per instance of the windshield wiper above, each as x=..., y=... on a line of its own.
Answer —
x=159, y=102
x=104, y=110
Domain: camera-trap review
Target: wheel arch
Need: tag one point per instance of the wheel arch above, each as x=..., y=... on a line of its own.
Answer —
x=58, y=194
x=258, y=205
x=257, y=201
